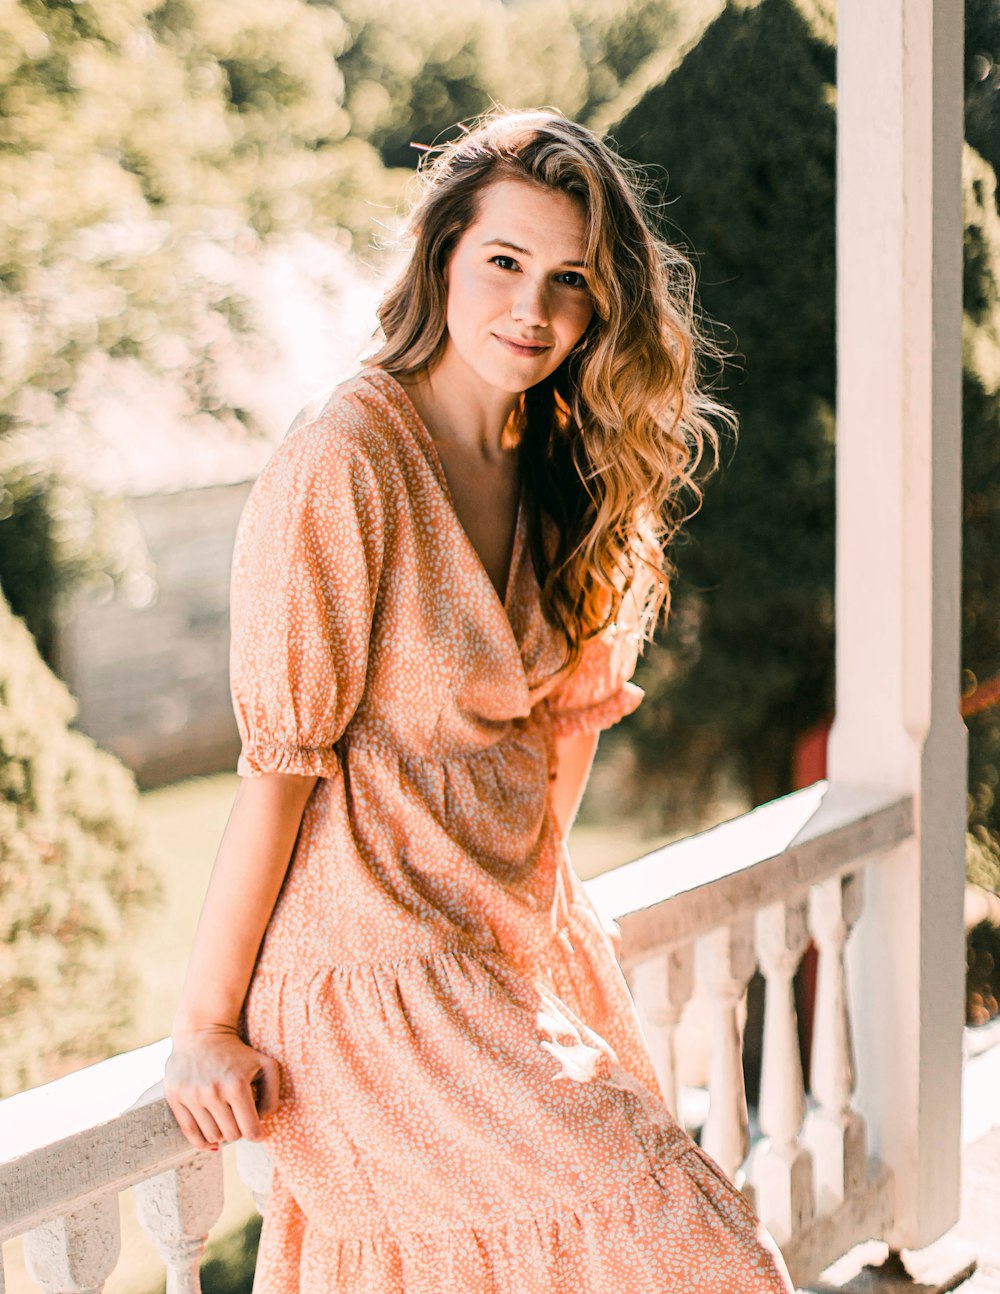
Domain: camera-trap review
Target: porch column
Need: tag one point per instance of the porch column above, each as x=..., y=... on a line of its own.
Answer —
x=899, y=238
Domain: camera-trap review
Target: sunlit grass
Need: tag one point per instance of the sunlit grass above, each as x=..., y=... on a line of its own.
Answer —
x=186, y=821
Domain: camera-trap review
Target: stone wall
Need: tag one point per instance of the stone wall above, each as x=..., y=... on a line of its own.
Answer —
x=153, y=681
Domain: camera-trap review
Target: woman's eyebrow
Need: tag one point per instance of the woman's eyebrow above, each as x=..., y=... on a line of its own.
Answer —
x=523, y=251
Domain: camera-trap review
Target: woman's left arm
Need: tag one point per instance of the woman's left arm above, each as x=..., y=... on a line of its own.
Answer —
x=574, y=757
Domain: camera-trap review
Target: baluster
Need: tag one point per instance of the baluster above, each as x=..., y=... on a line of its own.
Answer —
x=725, y=960
x=661, y=985
x=253, y=1164
x=781, y=1167
x=833, y=1131
x=76, y=1253
x=178, y=1209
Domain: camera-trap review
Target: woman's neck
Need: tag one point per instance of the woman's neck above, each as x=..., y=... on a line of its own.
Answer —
x=457, y=408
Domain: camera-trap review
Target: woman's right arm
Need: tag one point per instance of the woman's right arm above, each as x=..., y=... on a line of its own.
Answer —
x=210, y=1073
x=307, y=561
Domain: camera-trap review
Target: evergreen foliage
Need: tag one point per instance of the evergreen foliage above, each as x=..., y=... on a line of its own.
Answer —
x=981, y=480
x=748, y=181
x=72, y=875
x=747, y=665
x=982, y=78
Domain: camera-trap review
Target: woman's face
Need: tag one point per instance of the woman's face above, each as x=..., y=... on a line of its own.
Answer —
x=518, y=300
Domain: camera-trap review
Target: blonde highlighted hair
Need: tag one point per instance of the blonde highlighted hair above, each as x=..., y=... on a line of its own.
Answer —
x=612, y=439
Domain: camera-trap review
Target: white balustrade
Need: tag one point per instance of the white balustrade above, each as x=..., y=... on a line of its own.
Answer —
x=700, y=912
x=834, y=1131
x=725, y=961
x=661, y=986
x=782, y=1166
x=76, y=1252
x=254, y=1167
x=778, y=873
x=178, y=1208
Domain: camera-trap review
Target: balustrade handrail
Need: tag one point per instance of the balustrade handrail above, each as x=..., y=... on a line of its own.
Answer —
x=108, y=1121
x=66, y=1147
x=684, y=889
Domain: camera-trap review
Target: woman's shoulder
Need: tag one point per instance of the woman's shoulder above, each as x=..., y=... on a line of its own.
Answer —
x=331, y=473
x=329, y=460
x=347, y=437
x=348, y=420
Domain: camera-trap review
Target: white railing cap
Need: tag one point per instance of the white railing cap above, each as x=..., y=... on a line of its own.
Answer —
x=684, y=889
x=79, y=1101
x=103, y=1127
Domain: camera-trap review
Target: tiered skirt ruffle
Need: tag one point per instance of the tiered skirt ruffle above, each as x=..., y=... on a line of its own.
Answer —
x=452, y=1125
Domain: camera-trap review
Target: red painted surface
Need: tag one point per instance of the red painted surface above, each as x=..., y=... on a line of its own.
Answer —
x=808, y=766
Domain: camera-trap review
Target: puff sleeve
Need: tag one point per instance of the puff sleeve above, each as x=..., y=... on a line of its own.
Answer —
x=598, y=692
x=306, y=566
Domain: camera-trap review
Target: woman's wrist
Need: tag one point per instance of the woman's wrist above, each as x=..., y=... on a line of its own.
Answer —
x=186, y=1025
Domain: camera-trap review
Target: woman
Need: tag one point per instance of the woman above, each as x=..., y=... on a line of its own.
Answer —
x=441, y=583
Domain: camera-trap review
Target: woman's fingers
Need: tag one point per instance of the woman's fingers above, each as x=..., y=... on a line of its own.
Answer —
x=257, y=1099
x=210, y=1087
x=207, y=1125
x=188, y=1125
x=222, y=1110
x=269, y=1082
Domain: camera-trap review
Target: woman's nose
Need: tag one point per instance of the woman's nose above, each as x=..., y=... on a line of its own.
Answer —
x=531, y=306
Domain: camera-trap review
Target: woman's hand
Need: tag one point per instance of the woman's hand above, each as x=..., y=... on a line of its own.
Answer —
x=209, y=1083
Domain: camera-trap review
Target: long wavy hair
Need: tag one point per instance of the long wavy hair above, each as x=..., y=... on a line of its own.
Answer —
x=609, y=442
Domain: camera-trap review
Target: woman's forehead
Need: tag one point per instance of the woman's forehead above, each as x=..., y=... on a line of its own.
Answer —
x=532, y=219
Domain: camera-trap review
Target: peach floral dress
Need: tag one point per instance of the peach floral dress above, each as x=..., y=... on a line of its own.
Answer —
x=468, y=1105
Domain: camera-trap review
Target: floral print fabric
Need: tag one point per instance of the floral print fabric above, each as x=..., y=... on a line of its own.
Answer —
x=468, y=1104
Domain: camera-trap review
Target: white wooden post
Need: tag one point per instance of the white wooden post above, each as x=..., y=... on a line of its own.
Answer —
x=899, y=246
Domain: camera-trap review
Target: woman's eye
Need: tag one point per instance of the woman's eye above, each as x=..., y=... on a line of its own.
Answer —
x=508, y=262
x=573, y=279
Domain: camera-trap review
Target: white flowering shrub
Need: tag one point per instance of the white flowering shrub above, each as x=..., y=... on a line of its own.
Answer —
x=73, y=877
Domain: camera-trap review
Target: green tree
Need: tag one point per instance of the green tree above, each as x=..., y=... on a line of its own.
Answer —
x=747, y=664
x=747, y=181
x=186, y=127
x=982, y=78
x=981, y=481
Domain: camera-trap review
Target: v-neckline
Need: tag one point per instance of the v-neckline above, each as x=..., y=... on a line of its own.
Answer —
x=504, y=601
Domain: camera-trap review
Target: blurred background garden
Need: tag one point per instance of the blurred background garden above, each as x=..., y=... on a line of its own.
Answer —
x=199, y=200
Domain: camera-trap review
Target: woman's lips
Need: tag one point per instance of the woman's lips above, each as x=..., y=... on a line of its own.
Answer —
x=527, y=349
